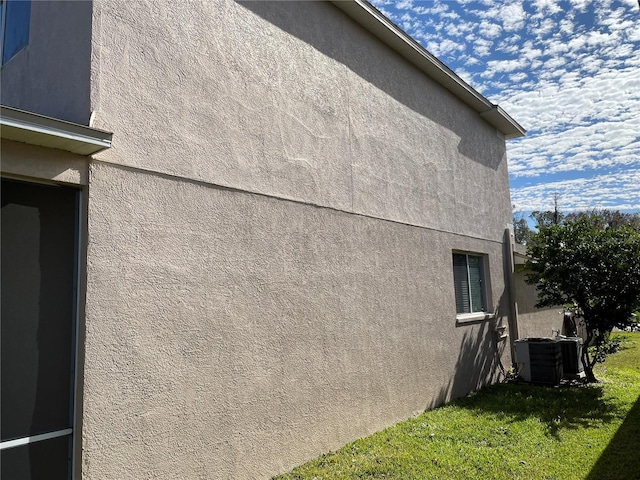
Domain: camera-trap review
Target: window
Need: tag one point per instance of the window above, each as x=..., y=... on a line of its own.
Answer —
x=38, y=316
x=15, y=18
x=469, y=283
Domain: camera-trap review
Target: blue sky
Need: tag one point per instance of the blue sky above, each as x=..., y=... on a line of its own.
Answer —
x=567, y=71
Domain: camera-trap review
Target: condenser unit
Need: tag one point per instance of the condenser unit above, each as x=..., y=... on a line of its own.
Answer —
x=571, y=348
x=539, y=360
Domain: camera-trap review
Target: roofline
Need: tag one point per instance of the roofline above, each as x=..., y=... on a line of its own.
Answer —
x=34, y=129
x=388, y=32
x=520, y=256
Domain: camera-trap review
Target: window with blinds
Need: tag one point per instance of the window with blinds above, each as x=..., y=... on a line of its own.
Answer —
x=469, y=283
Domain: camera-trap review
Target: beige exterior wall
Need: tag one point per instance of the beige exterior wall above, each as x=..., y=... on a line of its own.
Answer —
x=269, y=270
x=293, y=100
x=234, y=335
x=29, y=162
x=270, y=239
x=532, y=321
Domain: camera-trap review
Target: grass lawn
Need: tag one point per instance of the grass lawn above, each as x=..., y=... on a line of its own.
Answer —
x=504, y=431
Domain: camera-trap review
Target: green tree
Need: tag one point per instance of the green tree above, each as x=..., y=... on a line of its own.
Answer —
x=595, y=270
x=604, y=218
x=547, y=218
x=521, y=231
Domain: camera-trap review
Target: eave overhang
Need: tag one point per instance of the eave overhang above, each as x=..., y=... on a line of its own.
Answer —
x=384, y=29
x=34, y=129
x=520, y=256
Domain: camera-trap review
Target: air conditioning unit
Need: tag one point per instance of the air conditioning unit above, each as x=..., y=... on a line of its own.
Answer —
x=572, y=366
x=539, y=360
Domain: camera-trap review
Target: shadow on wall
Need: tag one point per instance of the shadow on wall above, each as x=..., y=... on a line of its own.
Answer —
x=484, y=345
x=300, y=19
x=624, y=445
x=477, y=364
x=533, y=321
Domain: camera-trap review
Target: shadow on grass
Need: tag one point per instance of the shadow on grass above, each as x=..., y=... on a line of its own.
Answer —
x=621, y=458
x=557, y=408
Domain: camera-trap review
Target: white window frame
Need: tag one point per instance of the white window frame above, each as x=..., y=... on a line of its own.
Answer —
x=484, y=313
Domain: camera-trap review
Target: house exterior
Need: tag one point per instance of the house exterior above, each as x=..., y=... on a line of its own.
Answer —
x=532, y=321
x=252, y=232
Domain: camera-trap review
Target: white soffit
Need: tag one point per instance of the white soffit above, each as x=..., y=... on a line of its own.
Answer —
x=519, y=258
x=34, y=129
x=384, y=29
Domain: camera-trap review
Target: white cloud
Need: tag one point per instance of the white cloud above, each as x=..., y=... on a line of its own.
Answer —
x=513, y=16
x=612, y=191
x=445, y=47
x=547, y=6
x=567, y=70
x=580, y=5
x=518, y=77
x=543, y=28
x=499, y=66
x=482, y=47
x=489, y=29
x=404, y=4
x=567, y=26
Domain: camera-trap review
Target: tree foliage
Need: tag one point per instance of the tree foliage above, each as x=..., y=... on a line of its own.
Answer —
x=521, y=231
x=598, y=218
x=604, y=218
x=592, y=267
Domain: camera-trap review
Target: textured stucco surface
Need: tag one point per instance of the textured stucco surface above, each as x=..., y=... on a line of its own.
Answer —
x=269, y=239
x=294, y=100
x=232, y=335
x=50, y=76
x=39, y=163
x=532, y=321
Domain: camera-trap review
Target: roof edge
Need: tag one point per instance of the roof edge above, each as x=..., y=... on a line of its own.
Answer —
x=389, y=33
x=32, y=128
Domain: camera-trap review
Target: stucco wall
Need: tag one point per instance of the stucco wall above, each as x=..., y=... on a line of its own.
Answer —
x=29, y=162
x=532, y=321
x=294, y=100
x=233, y=335
x=269, y=268
x=50, y=76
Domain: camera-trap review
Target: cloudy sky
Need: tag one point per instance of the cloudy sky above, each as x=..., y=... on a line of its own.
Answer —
x=567, y=71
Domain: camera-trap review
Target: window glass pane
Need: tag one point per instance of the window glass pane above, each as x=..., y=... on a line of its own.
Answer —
x=45, y=460
x=16, y=29
x=461, y=283
x=476, y=280
x=469, y=283
x=2, y=14
x=37, y=308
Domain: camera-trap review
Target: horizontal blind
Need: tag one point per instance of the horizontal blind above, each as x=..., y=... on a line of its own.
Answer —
x=476, y=278
x=461, y=283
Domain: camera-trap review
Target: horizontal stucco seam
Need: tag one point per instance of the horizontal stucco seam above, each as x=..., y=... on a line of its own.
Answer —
x=192, y=181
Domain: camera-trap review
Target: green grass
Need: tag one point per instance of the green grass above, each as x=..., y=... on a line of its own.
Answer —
x=589, y=432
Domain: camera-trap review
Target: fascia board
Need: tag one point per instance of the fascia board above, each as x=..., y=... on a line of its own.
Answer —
x=34, y=129
x=500, y=119
x=380, y=26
